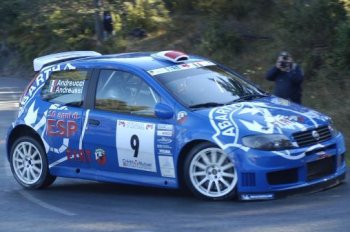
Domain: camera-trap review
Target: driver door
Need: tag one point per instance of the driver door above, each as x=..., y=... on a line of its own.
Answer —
x=122, y=128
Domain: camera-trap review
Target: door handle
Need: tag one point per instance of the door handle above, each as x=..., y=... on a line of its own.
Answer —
x=94, y=122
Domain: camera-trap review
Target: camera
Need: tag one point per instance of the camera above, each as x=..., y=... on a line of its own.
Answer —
x=285, y=56
x=284, y=60
x=283, y=64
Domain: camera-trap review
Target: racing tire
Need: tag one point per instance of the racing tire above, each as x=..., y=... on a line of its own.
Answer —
x=209, y=173
x=29, y=164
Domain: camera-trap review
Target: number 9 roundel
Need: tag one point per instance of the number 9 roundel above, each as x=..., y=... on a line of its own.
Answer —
x=135, y=145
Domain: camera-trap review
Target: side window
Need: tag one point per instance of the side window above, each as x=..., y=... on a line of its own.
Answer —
x=65, y=87
x=124, y=92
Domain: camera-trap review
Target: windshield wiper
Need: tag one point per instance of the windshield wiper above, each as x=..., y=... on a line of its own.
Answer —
x=215, y=104
x=252, y=96
x=206, y=105
x=247, y=97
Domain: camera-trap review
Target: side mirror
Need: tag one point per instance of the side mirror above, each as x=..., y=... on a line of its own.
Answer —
x=163, y=111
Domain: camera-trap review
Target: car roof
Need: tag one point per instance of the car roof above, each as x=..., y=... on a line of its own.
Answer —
x=142, y=60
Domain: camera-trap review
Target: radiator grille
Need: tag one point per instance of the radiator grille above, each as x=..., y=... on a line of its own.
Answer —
x=312, y=137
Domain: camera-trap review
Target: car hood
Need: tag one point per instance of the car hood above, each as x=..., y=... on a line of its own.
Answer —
x=263, y=116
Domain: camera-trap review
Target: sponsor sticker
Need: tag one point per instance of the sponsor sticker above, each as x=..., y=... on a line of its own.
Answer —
x=180, y=67
x=52, y=86
x=181, y=117
x=164, y=146
x=252, y=197
x=100, y=156
x=165, y=133
x=61, y=128
x=164, y=152
x=296, y=118
x=80, y=155
x=135, y=145
x=164, y=140
x=165, y=127
x=280, y=101
x=166, y=164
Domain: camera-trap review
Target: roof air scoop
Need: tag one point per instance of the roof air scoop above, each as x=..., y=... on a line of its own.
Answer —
x=173, y=56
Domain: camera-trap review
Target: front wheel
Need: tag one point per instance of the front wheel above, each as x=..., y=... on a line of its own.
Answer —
x=209, y=173
x=29, y=163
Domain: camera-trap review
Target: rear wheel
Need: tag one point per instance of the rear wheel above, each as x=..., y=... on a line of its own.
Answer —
x=209, y=173
x=29, y=163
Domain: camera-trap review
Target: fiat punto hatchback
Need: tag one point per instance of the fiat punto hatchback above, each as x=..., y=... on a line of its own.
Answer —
x=167, y=119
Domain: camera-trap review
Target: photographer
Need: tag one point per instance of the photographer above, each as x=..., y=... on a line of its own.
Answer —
x=288, y=78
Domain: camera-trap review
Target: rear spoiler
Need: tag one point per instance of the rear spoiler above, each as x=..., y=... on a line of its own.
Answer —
x=42, y=61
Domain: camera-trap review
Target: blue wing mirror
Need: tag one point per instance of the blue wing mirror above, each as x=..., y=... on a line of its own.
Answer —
x=163, y=111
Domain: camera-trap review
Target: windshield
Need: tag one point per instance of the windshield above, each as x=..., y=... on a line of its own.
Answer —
x=207, y=86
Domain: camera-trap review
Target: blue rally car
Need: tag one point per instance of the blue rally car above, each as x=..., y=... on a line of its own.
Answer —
x=167, y=119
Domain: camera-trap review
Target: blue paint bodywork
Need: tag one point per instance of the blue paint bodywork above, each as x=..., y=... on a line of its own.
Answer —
x=223, y=126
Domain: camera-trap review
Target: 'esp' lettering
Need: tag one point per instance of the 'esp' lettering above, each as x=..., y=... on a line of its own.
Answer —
x=61, y=128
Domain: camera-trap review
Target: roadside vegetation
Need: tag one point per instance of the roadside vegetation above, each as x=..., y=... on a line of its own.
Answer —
x=246, y=35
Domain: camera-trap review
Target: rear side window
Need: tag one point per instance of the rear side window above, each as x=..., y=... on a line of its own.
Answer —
x=65, y=87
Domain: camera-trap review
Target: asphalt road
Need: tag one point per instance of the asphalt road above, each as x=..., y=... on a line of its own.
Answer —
x=77, y=205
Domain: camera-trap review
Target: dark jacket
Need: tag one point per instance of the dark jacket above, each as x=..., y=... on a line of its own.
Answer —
x=287, y=84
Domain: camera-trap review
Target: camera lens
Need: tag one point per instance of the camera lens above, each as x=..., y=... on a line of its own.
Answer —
x=284, y=55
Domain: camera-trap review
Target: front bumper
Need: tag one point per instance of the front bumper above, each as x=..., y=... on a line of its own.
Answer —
x=307, y=188
x=269, y=175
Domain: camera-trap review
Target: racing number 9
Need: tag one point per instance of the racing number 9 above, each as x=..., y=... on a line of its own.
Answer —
x=135, y=144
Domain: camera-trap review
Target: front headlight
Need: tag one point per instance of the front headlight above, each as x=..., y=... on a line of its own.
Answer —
x=268, y=142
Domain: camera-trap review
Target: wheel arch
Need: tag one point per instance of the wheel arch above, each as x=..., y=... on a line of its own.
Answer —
x=20, y=131
x=182, y=157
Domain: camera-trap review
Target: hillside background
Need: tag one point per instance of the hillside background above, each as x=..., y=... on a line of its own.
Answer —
x=245, y=35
